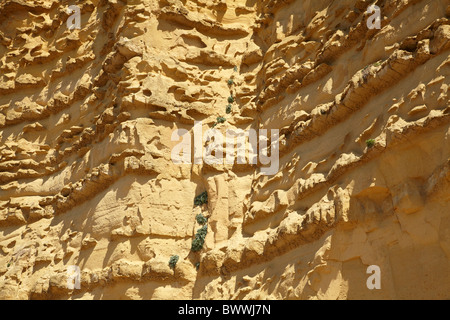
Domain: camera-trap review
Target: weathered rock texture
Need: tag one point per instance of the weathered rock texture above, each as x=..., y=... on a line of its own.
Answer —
x=86, y=176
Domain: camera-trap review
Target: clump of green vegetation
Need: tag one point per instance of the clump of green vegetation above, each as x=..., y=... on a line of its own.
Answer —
x=173, y=261
x=377, y=64
x=221, y=119
x=370, y=143
x=199, y=239
x=230, y=99
x=201, y=219
x=230, y=82
x=228, y=110
x=201, y=199
x=197, y=265
x=235, y=68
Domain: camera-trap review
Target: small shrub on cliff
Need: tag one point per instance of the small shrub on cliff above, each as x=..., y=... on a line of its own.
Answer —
x=173, y=261
x=230, y=82
x=201, y=199
x=230, y=99
x=199, y=239
x=221, y=119
x=370, y=143
x=228, y=110
x=201, y=219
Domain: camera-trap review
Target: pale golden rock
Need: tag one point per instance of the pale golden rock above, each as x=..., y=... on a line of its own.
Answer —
x=87, y=180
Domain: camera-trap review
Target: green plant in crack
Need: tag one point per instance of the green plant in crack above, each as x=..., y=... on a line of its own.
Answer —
x=221, y=119
x=370, y=143
x=173, y=261
x=230, y=82
x=201, y=199
x=199, y=239
x=228, y=110
x=201, y=219
x=230, y=99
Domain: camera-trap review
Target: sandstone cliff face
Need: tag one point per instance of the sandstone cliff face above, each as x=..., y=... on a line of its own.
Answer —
x=87, y=179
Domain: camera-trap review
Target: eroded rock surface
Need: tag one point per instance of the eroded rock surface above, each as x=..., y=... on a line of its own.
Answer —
x=87, y=179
